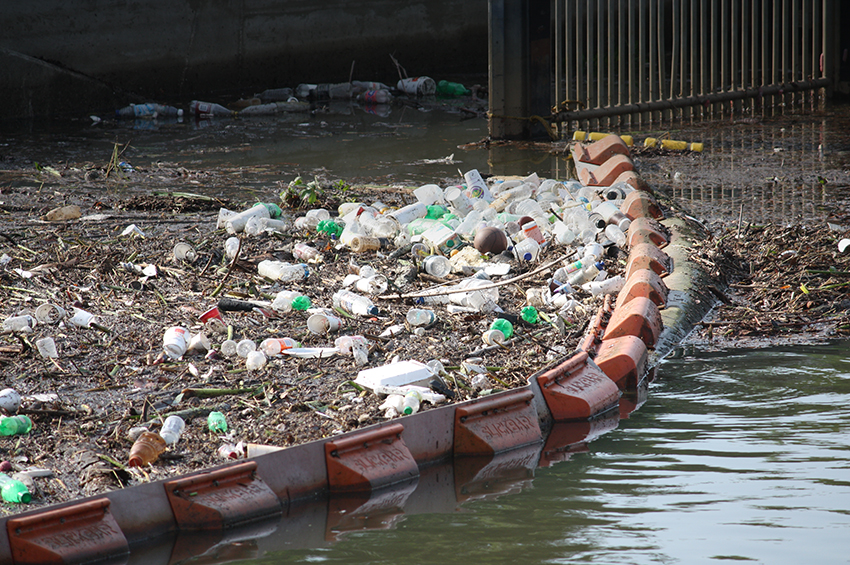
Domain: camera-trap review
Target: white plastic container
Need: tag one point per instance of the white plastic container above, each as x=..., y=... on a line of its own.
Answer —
x=403, y=373
x=429, y=194
x=608, y=286
x=458, y=200
x=476, y=187
x=321, y=324
x=175, y=341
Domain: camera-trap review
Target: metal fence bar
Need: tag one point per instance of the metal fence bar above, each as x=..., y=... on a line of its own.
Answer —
x=611, y=54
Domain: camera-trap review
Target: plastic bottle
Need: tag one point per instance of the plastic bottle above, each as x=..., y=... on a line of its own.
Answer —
x=216, y=422
x=171, y=430
x=13, y=490
x=412, y=401
x=275, y=345
x=608, y=286
x=532, y=231
x=615, y=234
x=612, y=215
x=527, y=250
x=354, y=303
x=208, y=109
x=408, y=213
x=377, y=225
x=419, y=317
x=15, y=425
x=437, y=265
x=374, y=284
x=418, y=86
x=23, y=323
x=451, y=89
x=281, y=271
x=330, y=227
x=287, y=300
x=586, y=274
x=147, y=447
x=305, y=252
x=503, y=326
x=148, y=110
x=364, y=243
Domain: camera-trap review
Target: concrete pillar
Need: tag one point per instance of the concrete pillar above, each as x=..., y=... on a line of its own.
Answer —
x=520, y=68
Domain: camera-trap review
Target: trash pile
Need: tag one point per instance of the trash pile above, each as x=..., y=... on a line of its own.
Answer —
x=372, y=97
x=151, y=349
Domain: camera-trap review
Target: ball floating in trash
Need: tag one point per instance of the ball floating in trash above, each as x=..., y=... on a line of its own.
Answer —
x=490, y=240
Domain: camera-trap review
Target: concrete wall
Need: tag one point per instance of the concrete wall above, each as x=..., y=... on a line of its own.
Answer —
x=185, y=48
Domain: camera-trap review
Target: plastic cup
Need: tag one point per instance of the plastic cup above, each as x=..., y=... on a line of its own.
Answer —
x=321, y=324
x=492, y=337
x=47, y=348
x=199, y=343
x=184, y=252
x=228, y=348
x=459, y=201
x=49, y=313
x=82, y=319
x=212, y=313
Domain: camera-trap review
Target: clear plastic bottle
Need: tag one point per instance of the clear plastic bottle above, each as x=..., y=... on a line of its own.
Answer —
x=354, y=303
x=148, y=110
x=304, y=252
x=281, y=271
x=374, y=284
x=237, y=222
x=586, y=274
x=615, y=234
x=13, y=490
x=15, y=425
x=607, y=286
x=412, y=401
x=24, y=323
x=437, y=265
x=287, y=300
x=527, y=250
x=216, y=422
x=208, y=109
x=420, y=317
x=171, y=430
x=364, y=243
x=275, y=345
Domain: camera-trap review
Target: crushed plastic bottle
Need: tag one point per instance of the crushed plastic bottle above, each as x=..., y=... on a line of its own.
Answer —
x=146, y=449
x=282, y=271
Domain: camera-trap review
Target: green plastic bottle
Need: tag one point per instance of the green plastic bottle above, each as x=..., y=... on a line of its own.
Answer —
x=216, y=422
x=329, y=227
x=529, y=314
x=13, y=490
x=15, y=425
x=453, y=89
x=435, y=212
x=503, y=326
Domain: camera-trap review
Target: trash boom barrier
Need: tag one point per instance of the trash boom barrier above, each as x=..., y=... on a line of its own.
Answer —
x=662, y=300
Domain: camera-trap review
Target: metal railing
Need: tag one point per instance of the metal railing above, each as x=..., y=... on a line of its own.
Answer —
x=618, y=62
